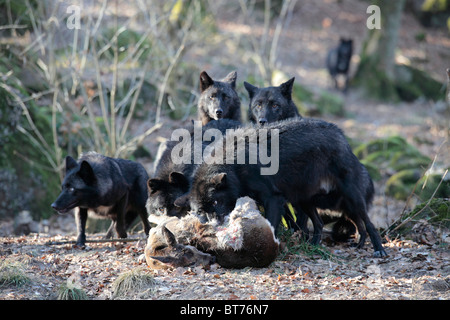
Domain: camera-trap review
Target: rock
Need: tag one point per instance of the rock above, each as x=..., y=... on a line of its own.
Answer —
x=24, y=224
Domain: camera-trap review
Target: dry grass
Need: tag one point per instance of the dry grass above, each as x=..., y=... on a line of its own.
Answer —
x=135, y=283
x=13, y=273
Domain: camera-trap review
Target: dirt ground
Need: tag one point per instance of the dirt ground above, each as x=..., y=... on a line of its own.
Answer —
x=414, y=269
x=411, y=272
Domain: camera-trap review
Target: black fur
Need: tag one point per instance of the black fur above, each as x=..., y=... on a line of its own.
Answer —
x=218, y=99
x=104, y=187
x=317, y=169
x=338, y=61
x=271, y=104
x=171, y=180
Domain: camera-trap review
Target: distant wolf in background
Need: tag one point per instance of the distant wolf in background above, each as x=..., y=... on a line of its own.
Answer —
x=338, y=61
x=104, y=187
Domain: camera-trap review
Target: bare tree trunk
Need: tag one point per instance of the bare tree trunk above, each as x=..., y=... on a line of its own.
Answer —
x=376, y=70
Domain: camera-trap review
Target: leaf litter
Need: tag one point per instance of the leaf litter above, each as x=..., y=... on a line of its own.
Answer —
x=106, y=271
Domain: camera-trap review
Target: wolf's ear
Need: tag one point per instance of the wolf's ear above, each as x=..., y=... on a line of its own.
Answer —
x=179, y=180
x=182, y=202
x=205, y=81
x=251, y=89
x=70, y=163
x=231, y=79
x=219, y=180
x=87, y=173
x=286, y=88
x=154, y=185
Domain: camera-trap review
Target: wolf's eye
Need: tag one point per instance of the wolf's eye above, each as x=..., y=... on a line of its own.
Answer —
x=258, y=106
x=212, y=97
x=275, y=106
x=71, y=189
x=161, y=209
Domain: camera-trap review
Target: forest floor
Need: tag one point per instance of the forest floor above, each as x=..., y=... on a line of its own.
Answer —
x=414, y=269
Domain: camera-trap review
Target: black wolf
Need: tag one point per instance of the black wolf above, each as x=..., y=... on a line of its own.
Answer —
x=218, y=99
x=170, y=180
x=104, y=187
x=338, y=61
x=272, y=103
x=317, y=169
x=269, y=105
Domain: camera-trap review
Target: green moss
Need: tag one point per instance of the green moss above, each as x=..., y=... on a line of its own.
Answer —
x=404, y=163
x=412, y=83
x=301, y=97
x=392, y=152
x=373, y=170
x=401, y=184
x=429, y=186
x=393, y=143
x=436, y=212
x=377, y=86
x=329, y=103
x=20, y=154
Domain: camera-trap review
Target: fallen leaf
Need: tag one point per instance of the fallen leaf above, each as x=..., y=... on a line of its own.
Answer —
x=233, y=297
x=306, y=290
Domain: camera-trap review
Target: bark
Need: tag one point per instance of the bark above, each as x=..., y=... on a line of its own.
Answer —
x=376, y=70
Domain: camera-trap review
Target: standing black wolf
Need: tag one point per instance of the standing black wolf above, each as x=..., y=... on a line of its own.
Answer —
x=338, y=61
x=317, y=169
x=269, y=105
x=272, y=103
x=104, y=187
x=218, y=99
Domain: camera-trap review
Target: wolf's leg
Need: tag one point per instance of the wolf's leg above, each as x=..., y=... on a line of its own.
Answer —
x=121, y=208
x=317, y=222
x=81, y=218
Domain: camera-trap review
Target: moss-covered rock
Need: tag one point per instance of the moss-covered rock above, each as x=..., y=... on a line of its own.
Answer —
x=412, y=83
x=392, y=154
x=436, y=213
x=373, y=170
x=429, y=186
x=401, y=184
x=403, y=164
x=394, y=143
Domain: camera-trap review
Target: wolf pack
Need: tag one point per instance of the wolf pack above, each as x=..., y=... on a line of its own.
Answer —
x=228, y=212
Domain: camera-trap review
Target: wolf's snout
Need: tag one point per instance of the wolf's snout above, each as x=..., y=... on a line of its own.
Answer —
x=262, y=121
x=219, y=113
